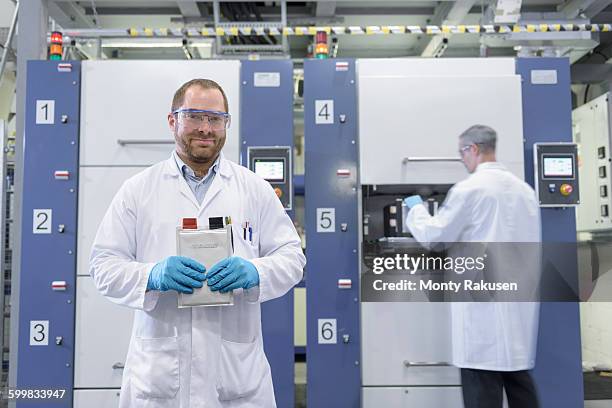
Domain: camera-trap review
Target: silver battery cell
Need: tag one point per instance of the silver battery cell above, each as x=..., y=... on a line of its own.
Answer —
x=207, y=247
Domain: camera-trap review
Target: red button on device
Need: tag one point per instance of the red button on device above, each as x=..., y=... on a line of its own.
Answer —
x=566, y=189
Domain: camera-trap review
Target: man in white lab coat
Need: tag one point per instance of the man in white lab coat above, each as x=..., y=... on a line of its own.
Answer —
x=204, y=356
x=494, y=343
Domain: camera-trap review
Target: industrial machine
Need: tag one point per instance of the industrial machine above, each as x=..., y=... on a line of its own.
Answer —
x=377, y=131
x=89, y=127
x=592, y=133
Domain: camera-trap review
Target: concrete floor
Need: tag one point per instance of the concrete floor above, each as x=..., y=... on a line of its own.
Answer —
x=300, y=391
x=598, y=404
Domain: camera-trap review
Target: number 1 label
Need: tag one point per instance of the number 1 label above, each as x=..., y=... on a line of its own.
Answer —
x=324, y=112
x=45, y=112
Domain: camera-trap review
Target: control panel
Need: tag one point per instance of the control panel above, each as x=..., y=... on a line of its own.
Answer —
x=556, y=178
x=274, y=165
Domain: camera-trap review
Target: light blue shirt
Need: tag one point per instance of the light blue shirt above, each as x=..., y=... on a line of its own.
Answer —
x=199, y=186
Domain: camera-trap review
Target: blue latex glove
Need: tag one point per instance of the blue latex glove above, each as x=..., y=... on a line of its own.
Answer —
x=232, y=273
x=176, y=273
x=413, y=200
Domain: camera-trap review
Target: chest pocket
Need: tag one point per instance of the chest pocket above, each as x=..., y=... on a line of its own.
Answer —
x=246, y=242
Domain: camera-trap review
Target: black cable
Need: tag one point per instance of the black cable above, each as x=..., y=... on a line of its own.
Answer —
x=586, y=93
x=602, y=54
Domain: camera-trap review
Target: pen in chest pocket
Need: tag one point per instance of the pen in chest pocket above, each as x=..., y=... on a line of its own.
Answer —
x=247, y=231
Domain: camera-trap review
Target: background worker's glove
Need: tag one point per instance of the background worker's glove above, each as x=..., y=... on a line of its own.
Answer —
x=232, y=273
x=176, y=273
x=413, y=200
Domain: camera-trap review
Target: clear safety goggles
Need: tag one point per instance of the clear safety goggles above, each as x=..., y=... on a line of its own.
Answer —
x=196, y=118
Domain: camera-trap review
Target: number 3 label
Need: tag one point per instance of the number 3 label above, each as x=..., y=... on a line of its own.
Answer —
x=326, y=220
x=327, y=331
x=324, y=112
x=42, y=221
x=39, y=332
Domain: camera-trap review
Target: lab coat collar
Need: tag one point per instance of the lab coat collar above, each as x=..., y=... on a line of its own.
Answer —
x=491, y=166
x=223, y=167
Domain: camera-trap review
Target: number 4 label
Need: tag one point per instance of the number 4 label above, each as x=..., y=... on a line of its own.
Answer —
x=39, y=332
x=327, y=331
x=45, y=112
x=324, y=112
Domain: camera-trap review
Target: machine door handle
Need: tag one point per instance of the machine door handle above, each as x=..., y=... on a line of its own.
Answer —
x=118, y=366
x=123, y=142
x=407, y=160
x=409, y=364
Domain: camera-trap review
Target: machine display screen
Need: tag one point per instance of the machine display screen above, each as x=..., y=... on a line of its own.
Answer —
x=272, y=170
x=558, y=166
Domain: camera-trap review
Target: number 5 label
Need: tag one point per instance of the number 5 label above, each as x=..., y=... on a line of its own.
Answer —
x=41, y=223
x=45, y=112
x=327, y=331
x=324, y=112
x=39, y=332
x=326, y=220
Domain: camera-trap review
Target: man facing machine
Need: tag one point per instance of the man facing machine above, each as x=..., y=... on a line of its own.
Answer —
x=204, y=356
x=493, y=342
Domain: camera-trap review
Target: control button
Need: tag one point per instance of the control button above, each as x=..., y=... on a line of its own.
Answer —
x=279, y=192
x=59, y=285
x=59, y=340
x=61, y=174
x=566, y=189
x=64, y=119
x=552, y=188
x=603, y=191
x=602, y=171
x=604, y=211
x=345, y=283
x=61, y=228
x=601, y=152
x=343, y=227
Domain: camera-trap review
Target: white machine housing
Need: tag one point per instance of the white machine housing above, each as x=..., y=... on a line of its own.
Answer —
x=592, y=132
x=411, y=112
x=124, y=129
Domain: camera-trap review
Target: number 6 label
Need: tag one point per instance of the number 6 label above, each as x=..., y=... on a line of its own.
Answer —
x=327, y=331
x=41, y=223
x=326, y=220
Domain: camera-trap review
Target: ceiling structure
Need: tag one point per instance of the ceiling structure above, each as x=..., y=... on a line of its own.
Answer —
x=587, y=49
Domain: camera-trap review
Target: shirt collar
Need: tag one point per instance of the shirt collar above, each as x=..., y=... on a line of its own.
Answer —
x=490, y=166
x=187, y=171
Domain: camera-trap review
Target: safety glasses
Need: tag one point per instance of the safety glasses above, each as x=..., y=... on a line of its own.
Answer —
x=197, y=118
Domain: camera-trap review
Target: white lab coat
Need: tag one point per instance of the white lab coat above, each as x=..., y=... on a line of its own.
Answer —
x=491, y=205
x=203, y=356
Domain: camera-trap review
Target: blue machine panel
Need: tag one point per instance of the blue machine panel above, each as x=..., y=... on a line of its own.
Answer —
x=267, y=120
x=547, y=115
x=49, y=255
x=332, y=255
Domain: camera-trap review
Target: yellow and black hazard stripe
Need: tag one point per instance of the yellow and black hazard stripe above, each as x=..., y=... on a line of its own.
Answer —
x=368, y=30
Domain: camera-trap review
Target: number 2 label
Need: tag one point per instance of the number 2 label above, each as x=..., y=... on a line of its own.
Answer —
x=324, y=112
x=41, y=222
x=45, y=112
